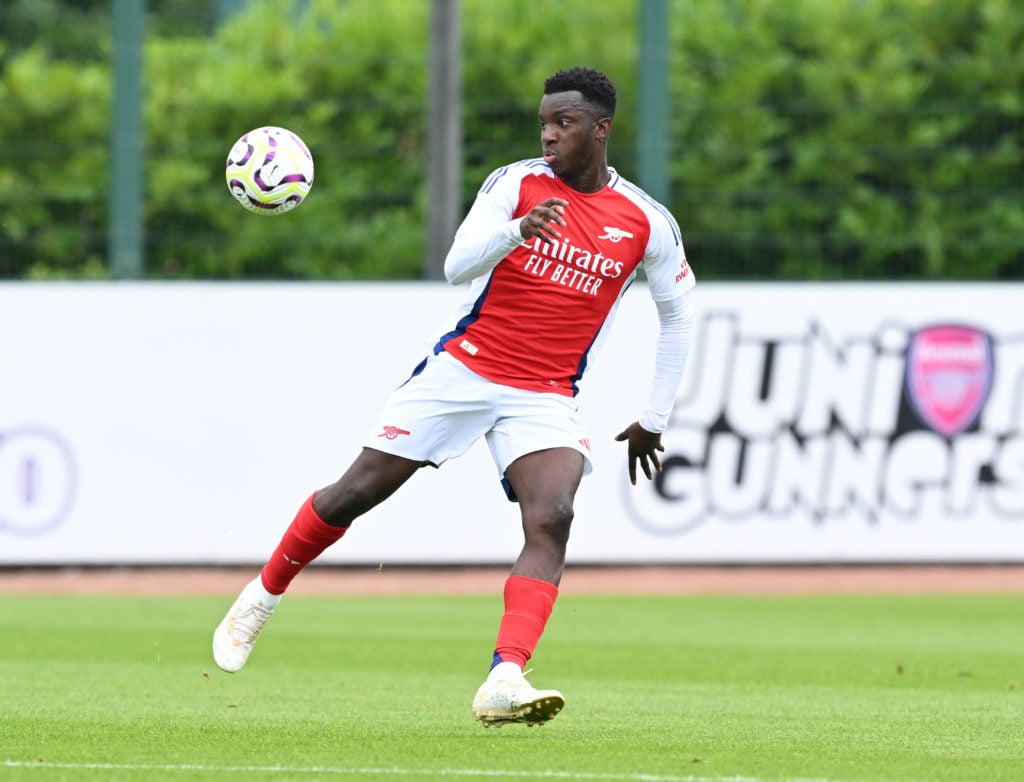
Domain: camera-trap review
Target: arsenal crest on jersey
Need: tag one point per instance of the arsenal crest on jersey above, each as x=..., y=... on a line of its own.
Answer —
x=948, y=377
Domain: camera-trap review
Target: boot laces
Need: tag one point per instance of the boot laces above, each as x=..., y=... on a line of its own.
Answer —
x=250, y=622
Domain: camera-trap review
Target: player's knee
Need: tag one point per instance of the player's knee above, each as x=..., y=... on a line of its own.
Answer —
x=554, y=523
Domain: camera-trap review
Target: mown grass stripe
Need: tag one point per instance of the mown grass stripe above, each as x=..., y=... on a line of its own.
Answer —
x=397, y=772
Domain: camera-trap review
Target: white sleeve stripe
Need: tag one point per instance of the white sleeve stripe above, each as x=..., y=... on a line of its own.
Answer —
x=497, y=174
x=640, y=194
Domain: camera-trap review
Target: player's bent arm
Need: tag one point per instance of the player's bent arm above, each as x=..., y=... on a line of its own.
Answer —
x=478, y=247
x=488, y=233
x=675, y=318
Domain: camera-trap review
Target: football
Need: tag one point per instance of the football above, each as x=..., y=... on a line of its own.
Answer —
x=269, y=170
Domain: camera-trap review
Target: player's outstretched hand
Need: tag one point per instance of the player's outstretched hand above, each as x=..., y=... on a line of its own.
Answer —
x=542, y=220
x=643, y=447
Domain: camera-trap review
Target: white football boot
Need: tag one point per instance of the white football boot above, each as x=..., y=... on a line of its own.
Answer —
x=507, y=697
x=235, y=635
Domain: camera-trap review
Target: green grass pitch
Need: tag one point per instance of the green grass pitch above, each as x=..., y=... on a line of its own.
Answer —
x=658, y=689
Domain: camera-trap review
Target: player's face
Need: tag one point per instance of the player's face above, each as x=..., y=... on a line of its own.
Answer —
x=571, y=135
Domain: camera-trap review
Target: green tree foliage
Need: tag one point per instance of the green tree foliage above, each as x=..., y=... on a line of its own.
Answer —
x=52, y=215
x=350, y=83
x=879, y=139
x=869, y=140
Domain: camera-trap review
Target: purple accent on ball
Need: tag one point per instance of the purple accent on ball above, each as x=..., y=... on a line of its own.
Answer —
x=282, y=206
x=256, y=174
x=245, y=159
x=259, y=181
x=301, y=144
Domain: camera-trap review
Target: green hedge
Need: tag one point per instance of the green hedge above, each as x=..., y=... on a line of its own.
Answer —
x=879, y=139
x=832, y=140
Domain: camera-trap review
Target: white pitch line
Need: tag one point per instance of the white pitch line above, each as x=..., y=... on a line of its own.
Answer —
x=398, y=772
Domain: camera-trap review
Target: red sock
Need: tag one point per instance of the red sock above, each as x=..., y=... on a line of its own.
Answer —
x=306, y=538
x=528, y=604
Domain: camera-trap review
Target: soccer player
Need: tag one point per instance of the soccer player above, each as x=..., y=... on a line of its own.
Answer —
x=548, y=249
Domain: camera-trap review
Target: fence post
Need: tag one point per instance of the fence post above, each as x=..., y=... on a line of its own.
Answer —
x=444, y=133
x=126, y=226
x=653, y=100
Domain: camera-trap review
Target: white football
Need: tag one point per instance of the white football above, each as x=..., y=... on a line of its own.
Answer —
x=269, y=170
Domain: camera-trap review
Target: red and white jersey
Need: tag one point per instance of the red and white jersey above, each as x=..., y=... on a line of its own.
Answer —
x=537, y=313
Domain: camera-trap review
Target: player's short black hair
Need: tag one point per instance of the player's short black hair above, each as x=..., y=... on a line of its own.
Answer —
x=595, y=87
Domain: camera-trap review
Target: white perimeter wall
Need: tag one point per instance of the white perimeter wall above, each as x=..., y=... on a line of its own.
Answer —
x=185, y=423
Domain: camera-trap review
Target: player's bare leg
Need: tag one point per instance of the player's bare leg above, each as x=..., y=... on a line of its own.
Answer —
x=372, y=478
x=321, y=521
x=545, y=483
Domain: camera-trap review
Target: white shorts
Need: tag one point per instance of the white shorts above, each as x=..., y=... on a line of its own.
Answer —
x=439, y=412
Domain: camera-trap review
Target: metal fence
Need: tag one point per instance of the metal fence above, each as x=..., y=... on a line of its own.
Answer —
x=772, y=170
